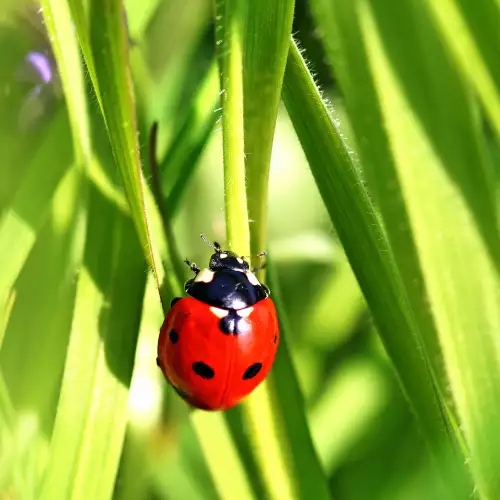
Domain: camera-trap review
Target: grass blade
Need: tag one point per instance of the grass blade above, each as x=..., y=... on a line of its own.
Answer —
x=113, y=85
x=30, y=208
x=91, y=418
x=460, y=269
x=57, y=19
x=257, y=410
x=471, y=32
x=289, y=413
x=44, y=296
x=229, y=15
x=367, y=249
x=267, y=34
x=188, y=143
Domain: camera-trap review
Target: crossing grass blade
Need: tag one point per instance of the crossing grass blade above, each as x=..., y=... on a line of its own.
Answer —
x=364, y=239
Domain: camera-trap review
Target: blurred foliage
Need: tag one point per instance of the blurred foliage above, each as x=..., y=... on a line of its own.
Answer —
x=84, y=410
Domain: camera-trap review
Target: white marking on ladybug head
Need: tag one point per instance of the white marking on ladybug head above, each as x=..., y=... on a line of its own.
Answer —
x=240, y=261
x=244, y=313
x=204, y=275
x=220, y=313
x=223, y=255
x=252, y=278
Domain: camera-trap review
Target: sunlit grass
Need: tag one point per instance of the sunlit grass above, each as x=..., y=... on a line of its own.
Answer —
x=379, y=212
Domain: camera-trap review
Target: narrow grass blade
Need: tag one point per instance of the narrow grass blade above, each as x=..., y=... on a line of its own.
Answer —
x=355, y=396
x=213, y=435
x=304, y=473
x=229, y=17
x=91, y=418
x=22, y=220
x=57, y=19
x=368, y=251
x=267, y=38
x=107, y=55
x=34, y=347
x=257, y=410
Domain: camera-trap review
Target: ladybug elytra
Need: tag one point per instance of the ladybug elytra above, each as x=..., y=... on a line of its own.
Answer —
x=219, y=343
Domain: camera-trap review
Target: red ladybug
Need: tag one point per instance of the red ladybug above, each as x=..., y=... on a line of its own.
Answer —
x=217, y=345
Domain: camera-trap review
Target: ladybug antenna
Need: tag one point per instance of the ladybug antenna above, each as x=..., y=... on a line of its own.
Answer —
x=261, y=254
x=214, y=245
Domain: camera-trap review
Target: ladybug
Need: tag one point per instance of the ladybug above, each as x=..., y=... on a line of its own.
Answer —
x=218, y=344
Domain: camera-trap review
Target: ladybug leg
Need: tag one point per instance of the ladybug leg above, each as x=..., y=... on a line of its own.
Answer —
x=192, y=266
x=263, y=265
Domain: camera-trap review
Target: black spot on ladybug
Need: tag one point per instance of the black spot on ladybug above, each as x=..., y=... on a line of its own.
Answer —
x=157, y=362
x=173, y=336
x=203, y=370
x=233, y=324
x=174, y=301
x=252, y=371
x=275, y=338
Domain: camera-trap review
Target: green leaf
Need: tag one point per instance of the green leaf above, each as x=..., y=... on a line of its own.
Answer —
x=366, y=246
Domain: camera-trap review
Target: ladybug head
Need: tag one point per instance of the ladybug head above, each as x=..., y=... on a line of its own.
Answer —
x=225, y=260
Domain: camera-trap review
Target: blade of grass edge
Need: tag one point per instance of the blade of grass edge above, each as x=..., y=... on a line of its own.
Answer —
x=369, y=254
